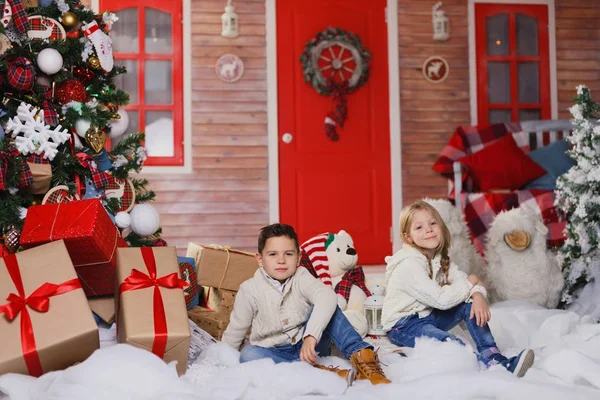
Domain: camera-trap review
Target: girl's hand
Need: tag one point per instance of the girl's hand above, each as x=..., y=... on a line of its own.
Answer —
x=480, y=310
x=307, y=352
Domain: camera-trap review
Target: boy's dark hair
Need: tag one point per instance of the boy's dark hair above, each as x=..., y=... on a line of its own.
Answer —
x=276, y=230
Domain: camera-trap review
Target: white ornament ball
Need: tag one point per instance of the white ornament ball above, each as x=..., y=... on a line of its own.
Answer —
x=145, y=220
x=122, y=219
x=118, y=126
x=82, y=126
x=49, y=61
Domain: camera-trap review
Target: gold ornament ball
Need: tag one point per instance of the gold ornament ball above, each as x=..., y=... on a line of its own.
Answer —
x=94, y=62
x=69, y=20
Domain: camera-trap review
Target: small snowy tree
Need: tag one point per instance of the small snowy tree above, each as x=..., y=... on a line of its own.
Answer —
x=578, y=196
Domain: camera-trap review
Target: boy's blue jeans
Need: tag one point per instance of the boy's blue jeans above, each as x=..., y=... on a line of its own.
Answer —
x=437, y=324
x=339, y=331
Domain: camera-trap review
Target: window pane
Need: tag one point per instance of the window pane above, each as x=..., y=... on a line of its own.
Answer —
x=131, y=128
x=497, y=35
x=527, y=35
x=129, y=81
x=529, y=115
x=159, y=133
x=158, y=32
x=496, y=116
x=158, y=86
x=529, y=82
x=124, y=33
x=498, y=82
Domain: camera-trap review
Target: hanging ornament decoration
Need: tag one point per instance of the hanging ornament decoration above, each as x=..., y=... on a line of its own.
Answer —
x=69, y=20
x=94, y=62
x=123, y=190
x=118, y=125
x=102, y=43
x=59, y=194
x=41, y=28
x=70, y=90
x=6, y=14
x=11, y=239
x=49, y=61
x=82, y=126
x=336, y=64
x=20, y=74
x=84, y=75
x=5, y=43
x=95, y=139
x=436, y=69
x=144, y=220
x=229, y=68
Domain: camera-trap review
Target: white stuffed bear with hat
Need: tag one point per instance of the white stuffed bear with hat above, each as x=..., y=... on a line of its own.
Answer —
x=332, y=258
x=520, y=267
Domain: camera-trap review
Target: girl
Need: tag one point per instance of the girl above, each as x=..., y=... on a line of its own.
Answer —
x=427, y=295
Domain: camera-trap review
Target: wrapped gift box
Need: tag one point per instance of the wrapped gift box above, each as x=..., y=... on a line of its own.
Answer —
x=221, y=267
x=213, y=322
x=103, y=307
x=220, y=299
x=89, y=234
x=65, y=333
x=139, y=321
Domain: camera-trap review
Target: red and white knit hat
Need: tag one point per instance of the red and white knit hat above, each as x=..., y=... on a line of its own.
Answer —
x=315, y=249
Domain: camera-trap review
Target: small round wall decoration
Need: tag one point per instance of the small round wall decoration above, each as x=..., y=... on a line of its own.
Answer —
x=436, y=69
x=229, y=68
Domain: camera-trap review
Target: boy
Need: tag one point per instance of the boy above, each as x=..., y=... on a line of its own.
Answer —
x=293, y=315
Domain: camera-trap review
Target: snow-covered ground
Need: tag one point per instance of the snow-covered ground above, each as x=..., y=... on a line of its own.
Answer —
x=567, y=366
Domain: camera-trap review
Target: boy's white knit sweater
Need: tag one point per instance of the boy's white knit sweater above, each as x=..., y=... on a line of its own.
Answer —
x=278, y=318
x=409, y=289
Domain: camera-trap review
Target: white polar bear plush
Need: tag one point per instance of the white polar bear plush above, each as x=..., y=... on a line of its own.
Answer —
x=462, y=251
x=520, y=267
x=333, y=259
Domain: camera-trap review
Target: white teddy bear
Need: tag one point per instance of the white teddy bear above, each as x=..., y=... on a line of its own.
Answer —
x=333, y=259
x=520, y=267
x=462, y=251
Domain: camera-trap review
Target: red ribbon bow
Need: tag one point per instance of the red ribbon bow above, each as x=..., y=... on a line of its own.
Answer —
x=39, y=300
x=84, y=159
x=139, y=280
x=50, y=114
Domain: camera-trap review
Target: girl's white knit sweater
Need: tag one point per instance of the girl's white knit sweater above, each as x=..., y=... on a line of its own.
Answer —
x=409, y=289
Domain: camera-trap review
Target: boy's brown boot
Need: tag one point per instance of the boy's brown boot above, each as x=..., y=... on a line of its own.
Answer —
x=348, y=374
x=368, y=367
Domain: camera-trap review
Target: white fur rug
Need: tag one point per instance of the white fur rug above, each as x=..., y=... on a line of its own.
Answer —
x=567, y=366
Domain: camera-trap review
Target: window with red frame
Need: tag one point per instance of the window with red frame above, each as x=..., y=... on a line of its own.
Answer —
x=513, y=67
x=148, y=40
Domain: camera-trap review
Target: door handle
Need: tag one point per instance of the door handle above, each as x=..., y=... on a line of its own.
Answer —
x=287, y=138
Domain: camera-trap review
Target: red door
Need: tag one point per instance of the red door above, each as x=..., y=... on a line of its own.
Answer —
x=325, y=186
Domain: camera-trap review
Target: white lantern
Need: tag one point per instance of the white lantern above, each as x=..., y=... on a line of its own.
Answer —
x=229, y=22
x=441, y=24
x=373, y=307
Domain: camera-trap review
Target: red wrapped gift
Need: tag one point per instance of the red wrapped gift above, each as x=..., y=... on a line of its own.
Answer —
x=89, y=234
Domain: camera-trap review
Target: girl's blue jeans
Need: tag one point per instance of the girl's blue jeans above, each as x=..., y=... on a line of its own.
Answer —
x=339, y=331
x=437, y=324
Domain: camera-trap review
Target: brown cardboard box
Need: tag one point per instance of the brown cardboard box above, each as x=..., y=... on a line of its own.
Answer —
x=136, y=312
x=220, y=299
x=42, y=177
x=224, y=268
x=213, y=322
x=66, y=333
x=104, y=307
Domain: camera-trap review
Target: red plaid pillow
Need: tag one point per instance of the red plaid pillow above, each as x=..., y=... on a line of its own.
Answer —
x=502, y=165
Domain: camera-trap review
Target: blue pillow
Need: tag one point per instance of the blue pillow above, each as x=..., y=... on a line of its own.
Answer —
x=554, y=160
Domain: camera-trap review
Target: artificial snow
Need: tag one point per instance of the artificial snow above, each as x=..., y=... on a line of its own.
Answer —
x=567, y=366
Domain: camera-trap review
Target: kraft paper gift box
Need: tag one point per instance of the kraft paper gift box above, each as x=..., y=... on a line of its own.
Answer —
x=221, y=267
x=212, y=322
x=64, y=333
x=89, y=234
x=42, y=177
x=220, y=299
x=103, y=307
x=147, y=313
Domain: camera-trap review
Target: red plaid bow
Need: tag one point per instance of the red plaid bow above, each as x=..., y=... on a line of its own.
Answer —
x=25, y=175
x=50, y=114
x=352, y=277
x=101, y=178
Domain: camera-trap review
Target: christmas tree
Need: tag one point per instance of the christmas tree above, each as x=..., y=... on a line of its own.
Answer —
x=577, y=194
x=59, y=105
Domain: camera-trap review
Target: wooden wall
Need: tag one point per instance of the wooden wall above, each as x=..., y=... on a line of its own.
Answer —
x=225, y=200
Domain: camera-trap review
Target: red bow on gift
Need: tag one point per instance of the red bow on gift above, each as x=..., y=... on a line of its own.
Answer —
x=139, y=280
x=39, y=300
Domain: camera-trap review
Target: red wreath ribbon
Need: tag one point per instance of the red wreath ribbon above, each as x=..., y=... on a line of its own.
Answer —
x=39, y=300
x=139, y=280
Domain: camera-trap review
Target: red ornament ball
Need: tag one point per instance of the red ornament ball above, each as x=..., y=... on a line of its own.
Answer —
x=70, y=90
x=84, y=75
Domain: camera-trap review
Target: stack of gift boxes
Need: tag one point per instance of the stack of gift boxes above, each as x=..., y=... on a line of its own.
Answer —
x=76, y=261
x=220, y=273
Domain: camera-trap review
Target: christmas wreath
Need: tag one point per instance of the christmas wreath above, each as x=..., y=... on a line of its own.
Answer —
x=336, y=64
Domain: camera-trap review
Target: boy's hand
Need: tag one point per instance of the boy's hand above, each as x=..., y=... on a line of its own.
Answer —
x=480, y=309
x=307, y=352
